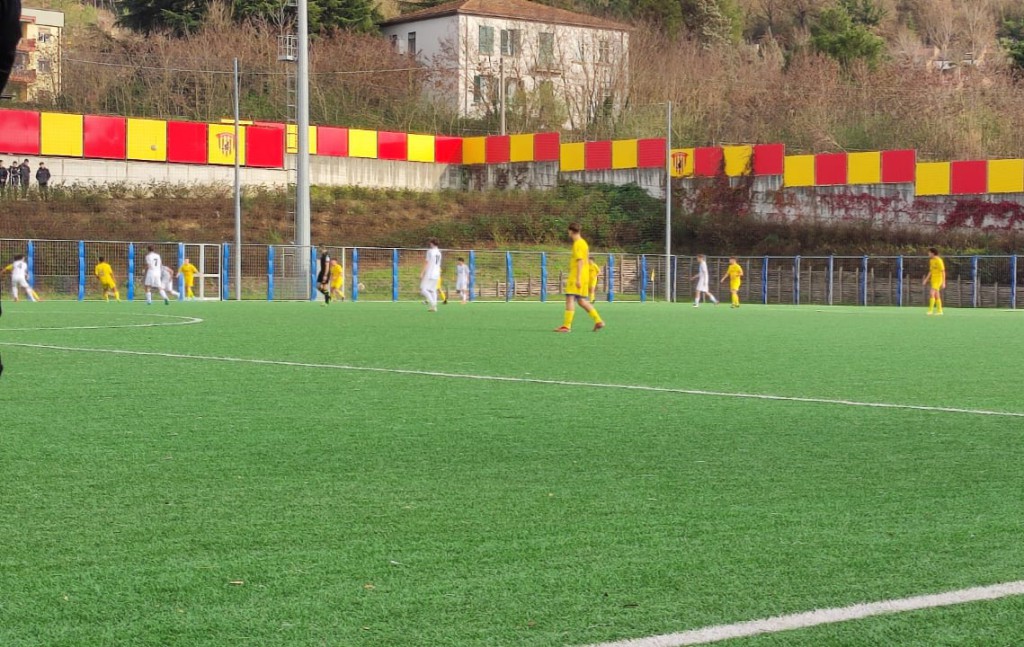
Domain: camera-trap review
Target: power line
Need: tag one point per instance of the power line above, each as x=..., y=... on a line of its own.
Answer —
x=229, y=72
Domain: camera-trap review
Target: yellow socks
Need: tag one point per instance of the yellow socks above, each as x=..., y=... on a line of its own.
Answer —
x=593, y=315
x=931, y=304
x=567, y=321
x=938, y=305
x=735, y=299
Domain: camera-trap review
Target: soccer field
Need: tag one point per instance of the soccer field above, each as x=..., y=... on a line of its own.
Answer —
x=370, y=474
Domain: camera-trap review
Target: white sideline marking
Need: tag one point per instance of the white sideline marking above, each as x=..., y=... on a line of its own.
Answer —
x=184, y=321
x=818, y=617
x=523, y=380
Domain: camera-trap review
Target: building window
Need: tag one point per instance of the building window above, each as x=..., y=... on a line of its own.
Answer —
x=412, y=44
x=481, y=88
x=43, y=34
x=604, y=52
x=581, y=51
x=20, y=61
x=546, y=49
x=43, y=65
x=486, y=38
x=394, y=41
x=509, y=42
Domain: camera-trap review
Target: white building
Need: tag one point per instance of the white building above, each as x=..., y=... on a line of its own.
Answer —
x=37, y=64
x=546, y=56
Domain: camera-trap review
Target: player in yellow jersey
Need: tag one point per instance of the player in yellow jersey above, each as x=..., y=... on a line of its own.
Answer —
x=105, y=274
x=595, y=274
x=578, y=288
x=440, y=291
x=936, y=276
x=337, y=283
x=735, y=275
x=188, y=271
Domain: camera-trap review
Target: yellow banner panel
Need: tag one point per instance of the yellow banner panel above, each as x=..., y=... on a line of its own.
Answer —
x=738, y=160
x=624, y=153
x=421, y=148
x=682, y=162
x=520, y=148
x=474, y=150
x=798, y=170
x=932, y=178
x=147, y=140
x=864, y=168
x=572, y=157
x=292, y=139
x=1006, y=176
x=61, y=134
x=221, y=146
x=362, y=143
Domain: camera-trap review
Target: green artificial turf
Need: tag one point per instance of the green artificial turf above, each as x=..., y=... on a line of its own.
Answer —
x=149, y=500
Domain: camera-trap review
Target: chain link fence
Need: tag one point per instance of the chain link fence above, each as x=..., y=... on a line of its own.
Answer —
x=63, y=269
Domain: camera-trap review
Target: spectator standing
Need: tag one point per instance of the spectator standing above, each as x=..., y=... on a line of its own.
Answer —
x=26, y=177
x=43, y=178
x=15, y=178
x=3, y=180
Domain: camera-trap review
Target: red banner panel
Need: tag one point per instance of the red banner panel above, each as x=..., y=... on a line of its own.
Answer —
x=898, y=167
x=392, y=146
x=546, y=147
x=708, y=161
x=650, y=153
x=332, y=142
x=498, y=149
x=186, y=142
x=264, y=147
x=769, y=159
x=968, y=177
x=830, y=169
x=19, y=132
x=106, y=137
x=447, y=150
x=597, y=156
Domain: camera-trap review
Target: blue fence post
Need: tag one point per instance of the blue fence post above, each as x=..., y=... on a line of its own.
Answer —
x=864, y=280
x=672, y=277
x=796, y=280
x=313, y=272
x=394, y=275
x=225, y=277
x=611, y=278
x=764, y=281
x=899, y=280
x=1013, y=282
x=270, y=272
x=130, y=288
x=831, y=278
x=510, y=286
x=472, y=275
x=543, y=277
x=30, y=259
x=975, y=296
x=81, y=270
x=643, y=278
x=355, y=274
x=181, y=279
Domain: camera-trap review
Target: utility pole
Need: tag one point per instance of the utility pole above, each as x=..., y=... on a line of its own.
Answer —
x=668, y=205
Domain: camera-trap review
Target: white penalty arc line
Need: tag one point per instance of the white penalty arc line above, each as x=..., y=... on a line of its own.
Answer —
x=524, y=380
x=717, y=633
x=182, y=321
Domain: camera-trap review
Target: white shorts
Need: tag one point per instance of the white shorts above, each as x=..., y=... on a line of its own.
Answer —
x=20, y=282
x=702, y=286
x=153, y=279
x=428, y=285
x=461, y=284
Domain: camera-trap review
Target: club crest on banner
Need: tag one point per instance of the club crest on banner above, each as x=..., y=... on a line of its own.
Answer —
x=226, y=143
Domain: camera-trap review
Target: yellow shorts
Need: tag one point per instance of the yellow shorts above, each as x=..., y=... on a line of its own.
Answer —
x=734, y=285
x=936, y=285
x=337, y=286
x=108, y=285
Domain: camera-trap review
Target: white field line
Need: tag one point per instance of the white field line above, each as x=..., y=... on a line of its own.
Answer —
x=818, y=617
x=182, y=321
x=523, y=380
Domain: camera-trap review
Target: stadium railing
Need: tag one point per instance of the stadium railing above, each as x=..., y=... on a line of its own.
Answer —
x=63, y=269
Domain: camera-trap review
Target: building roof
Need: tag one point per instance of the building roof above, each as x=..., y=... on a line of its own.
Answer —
x=511, y=10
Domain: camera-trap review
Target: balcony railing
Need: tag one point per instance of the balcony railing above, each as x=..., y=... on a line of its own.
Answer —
x=23, y=76
x=27, y=45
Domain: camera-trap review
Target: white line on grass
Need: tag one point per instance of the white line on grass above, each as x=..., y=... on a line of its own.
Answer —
x=523, y=380
x=818, y=617
x=183, y=321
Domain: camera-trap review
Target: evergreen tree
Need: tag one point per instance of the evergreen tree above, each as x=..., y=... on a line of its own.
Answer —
x=1011, y=37
x=186, y=16
x=836, y=35
x=177, y=16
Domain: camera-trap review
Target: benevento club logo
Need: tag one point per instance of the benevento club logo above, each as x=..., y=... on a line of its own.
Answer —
x=226, y=143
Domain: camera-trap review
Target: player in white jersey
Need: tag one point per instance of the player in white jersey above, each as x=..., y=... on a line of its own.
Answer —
x=430, y=274
x=167, y=280
x=462, y=279
x=154, y=276
x=703, y=278
x=19, y=278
